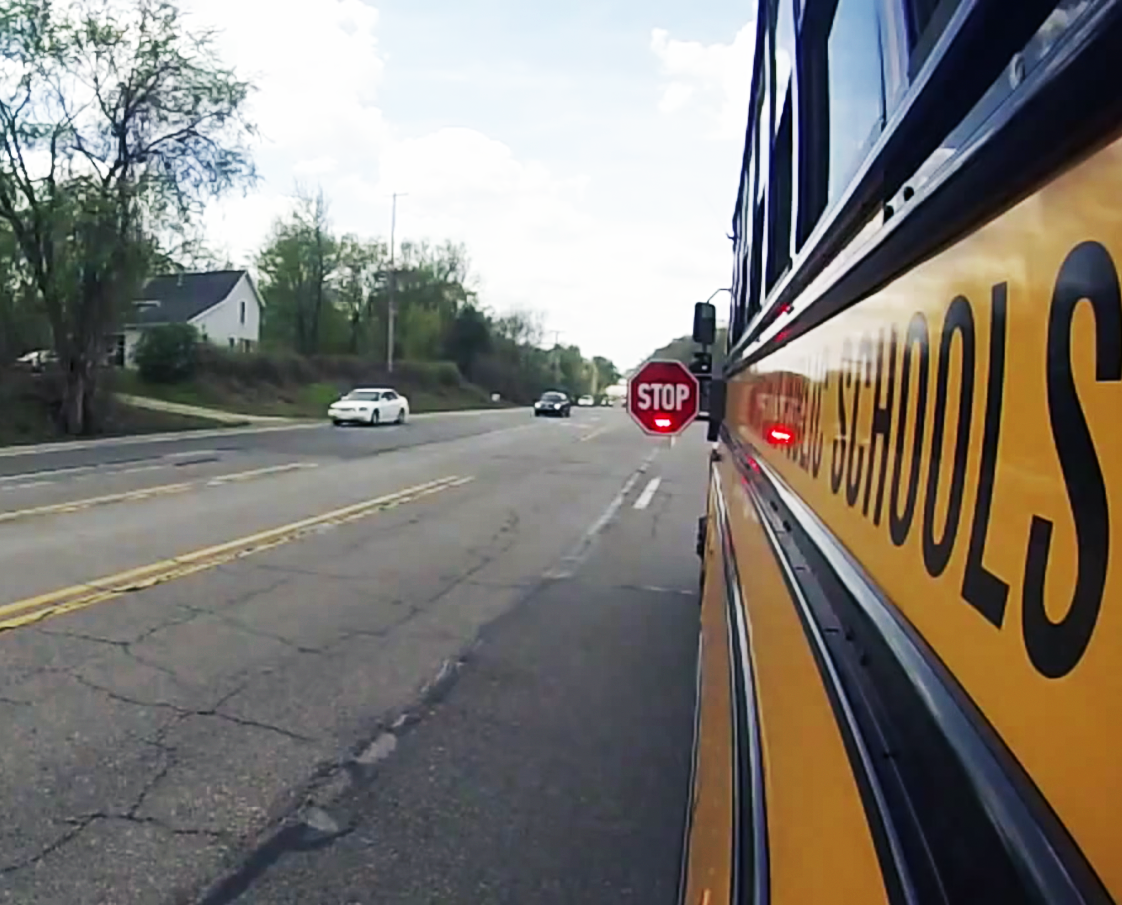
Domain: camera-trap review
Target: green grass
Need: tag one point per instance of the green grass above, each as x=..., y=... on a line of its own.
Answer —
x=27, y=419
x=292, y=401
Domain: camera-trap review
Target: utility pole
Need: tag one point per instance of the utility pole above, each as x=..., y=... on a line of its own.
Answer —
x=393, y=283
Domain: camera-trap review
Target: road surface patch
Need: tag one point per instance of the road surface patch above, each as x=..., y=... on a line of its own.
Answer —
x=599, y=432
x=572, y=561
x=131, y=496
x=78, y=597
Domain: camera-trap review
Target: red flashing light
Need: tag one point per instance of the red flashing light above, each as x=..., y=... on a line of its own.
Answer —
x=781, y=436
x=663, y=423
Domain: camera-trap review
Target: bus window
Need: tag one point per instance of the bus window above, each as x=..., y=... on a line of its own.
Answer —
x=856, y=92
x=926, y=21
x=779, y=216
x=784, y=51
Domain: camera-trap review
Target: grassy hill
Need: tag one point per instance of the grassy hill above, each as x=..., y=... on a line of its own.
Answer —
x=291, y=386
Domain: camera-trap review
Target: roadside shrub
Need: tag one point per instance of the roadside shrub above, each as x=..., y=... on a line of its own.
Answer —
x=168, y=353
x=431, y=373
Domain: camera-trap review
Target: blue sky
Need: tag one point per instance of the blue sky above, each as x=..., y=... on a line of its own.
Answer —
x=586, y=152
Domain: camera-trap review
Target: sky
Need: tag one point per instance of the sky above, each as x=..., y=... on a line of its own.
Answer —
x=586, y=152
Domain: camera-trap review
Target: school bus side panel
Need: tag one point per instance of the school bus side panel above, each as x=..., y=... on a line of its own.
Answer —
x=960, y=432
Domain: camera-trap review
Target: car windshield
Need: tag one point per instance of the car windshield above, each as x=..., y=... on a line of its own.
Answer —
x=364, y=395
x=553, y=397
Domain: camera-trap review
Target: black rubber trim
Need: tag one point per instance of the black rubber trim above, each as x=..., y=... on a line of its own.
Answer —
x=751, y=876
x=890, y=850
x=1034, y=838
x=1060, y=112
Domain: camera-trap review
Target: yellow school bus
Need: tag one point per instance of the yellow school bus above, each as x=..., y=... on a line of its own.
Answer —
x=910, y=671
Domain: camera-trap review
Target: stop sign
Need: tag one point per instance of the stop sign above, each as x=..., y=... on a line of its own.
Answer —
x=663, y=397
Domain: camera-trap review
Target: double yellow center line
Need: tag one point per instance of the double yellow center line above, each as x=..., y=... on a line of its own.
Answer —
x=77, y=597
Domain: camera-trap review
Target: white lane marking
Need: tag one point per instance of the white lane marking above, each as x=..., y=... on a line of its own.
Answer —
x=83, y=473
x=188, y=453
x=25, y=475
x=27, y=486
x=648, y=493
x=573, y=560
x=259, y=472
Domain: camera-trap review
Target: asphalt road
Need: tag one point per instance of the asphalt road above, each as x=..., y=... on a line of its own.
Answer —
x=451, y=661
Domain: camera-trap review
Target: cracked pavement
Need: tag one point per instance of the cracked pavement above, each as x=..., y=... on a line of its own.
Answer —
x=162, y=742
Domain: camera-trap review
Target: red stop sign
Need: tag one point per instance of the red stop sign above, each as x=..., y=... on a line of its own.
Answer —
x=663, y=397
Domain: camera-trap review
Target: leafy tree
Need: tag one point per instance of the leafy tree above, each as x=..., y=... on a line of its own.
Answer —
x=168, y=353
x=297, y=268
x=432, y=285
x=22, y=324
x=359, y=276
x=605, y=373
x=468, y=340
x=570, y=370
x=114, y=117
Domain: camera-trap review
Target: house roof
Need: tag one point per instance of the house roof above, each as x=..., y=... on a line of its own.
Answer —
x=183, y=296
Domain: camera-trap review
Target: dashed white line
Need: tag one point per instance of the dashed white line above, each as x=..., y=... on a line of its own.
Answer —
x=569, y=563
x=648, y=493
x=260, y=472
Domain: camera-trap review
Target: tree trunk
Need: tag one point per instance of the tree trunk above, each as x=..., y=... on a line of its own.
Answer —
x=356, y=326
x=77, y=397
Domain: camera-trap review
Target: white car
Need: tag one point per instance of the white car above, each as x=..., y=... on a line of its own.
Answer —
x=586, y=400
x=370, y=405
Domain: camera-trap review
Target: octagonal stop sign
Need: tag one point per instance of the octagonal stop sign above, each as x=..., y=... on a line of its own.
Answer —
x=663, y=397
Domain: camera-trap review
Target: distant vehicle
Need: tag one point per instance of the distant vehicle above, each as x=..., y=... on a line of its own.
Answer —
x=553, y=403
x=37, y=360
x=586, y=400
x=369, y=405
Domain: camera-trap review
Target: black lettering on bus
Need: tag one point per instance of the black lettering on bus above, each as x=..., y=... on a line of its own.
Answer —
x=980, y=587
x=937, y=553
x=1056, y=647
x=853, y=476
x=882, y=422
x=820, y=385
x=900, y=523
x=840, y=442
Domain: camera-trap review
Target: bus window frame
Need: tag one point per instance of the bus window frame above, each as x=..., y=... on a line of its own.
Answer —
x=741, y=304
x=976, y=181
x=970, y=53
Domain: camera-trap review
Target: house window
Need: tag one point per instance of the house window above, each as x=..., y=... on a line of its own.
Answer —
x=233, y=343
x=247, y=345
x=243, y=312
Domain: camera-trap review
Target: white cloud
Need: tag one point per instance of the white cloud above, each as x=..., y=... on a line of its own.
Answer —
x=616, y=281
x=719, y=75
x=315, y=63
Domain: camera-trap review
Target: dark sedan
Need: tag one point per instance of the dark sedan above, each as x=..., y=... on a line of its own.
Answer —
x=556, y=404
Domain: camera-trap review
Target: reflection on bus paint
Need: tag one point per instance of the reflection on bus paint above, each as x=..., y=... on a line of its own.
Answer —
x=903, y=433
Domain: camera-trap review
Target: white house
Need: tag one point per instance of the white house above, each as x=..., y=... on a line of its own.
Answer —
x=223, y=305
